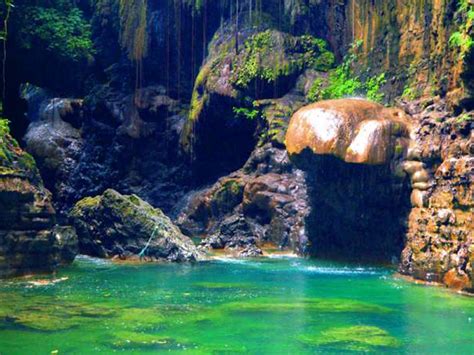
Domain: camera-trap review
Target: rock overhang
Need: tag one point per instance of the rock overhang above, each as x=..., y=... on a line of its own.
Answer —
x=354, y=130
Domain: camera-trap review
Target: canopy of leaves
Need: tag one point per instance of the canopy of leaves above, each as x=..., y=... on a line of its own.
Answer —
x=61, y=30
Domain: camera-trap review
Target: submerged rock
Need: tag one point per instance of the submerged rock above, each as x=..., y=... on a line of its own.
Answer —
x=115, y=225
x=29, y=239
x=359, y=338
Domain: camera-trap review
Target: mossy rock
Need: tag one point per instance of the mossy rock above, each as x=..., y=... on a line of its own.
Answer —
x=48, y=314
x=137, y=340
x=264, y=58
x=360, y=338
x=314, y=305
x=221, y=285
x=113, y=224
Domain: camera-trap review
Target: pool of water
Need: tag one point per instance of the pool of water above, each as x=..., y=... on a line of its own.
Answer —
x=279, y=305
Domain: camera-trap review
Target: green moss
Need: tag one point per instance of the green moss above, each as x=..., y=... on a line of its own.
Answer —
x=134, y=340
x=220, y=285
x=355, y=338
x=314, y=305
x=86, y=203
x=343, y=82
x=270, y=55
x=199, y=97
x=135, y=200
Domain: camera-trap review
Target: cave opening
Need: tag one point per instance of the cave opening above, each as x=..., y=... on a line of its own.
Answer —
x=358, y=212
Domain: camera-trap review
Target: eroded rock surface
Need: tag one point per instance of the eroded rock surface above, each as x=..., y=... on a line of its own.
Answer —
x=356, y=131
x=29, y=239
x=114, y=225
x=263, y=204
x=440, y=241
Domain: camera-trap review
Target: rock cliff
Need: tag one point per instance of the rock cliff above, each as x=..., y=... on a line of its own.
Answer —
x=30, y=241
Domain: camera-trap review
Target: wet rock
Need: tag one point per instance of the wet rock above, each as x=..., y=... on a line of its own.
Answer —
x=266, y=66
x=352, y=151
x=53, y=136
x=439, y=236
x=114, y=225
x=356, y=131
x=29, y=239
x=263, y=203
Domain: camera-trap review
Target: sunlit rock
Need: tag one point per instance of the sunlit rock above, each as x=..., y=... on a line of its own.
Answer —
x=115, y=225
x=356, y=131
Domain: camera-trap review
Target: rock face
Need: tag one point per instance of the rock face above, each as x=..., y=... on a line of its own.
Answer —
x=260, y=64
x=110, y=140
x=263, y=204
x=53, y=136
x=351, y=151
x=29, y=239
x=440, y=241
x=409, y=40
x=114, y=225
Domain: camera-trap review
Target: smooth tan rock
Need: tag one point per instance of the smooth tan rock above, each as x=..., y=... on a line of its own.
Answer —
x=420, y=176
x=411, y=167
x=418, y=198
x=356, y=131
x=422, y=186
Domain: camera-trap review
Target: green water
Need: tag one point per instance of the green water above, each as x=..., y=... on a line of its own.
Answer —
x=285, y=305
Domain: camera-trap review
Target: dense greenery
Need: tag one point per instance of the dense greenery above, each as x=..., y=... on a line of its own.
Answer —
x=61, y=30
x=462, y=38
x=262, y=61
x=344, y=82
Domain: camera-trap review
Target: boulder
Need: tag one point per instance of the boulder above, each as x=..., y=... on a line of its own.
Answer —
x=354, y=130
x=115, y=225
x=29, y=239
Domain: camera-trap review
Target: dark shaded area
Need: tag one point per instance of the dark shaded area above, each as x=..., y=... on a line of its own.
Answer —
x=358, y=212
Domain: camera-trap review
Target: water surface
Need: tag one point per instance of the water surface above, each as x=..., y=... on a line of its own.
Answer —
x=280, y=305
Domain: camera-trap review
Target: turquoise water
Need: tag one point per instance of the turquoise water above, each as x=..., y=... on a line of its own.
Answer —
x=280, y=305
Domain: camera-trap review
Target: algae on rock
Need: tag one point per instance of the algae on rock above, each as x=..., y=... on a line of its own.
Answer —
x=115, y=225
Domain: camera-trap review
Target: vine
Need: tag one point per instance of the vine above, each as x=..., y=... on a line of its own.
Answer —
x=3, y=37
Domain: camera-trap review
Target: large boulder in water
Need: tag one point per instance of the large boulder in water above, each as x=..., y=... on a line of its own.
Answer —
x=115, y=225
x=29, y=239
x=353, y=152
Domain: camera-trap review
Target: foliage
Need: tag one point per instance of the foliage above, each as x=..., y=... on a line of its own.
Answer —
x=373, y=85
x=461, y=38
x=248, y=113
x=410, y=93
x=64, y=33
x=344, y=82
x=4, y=128
x=269, y=55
